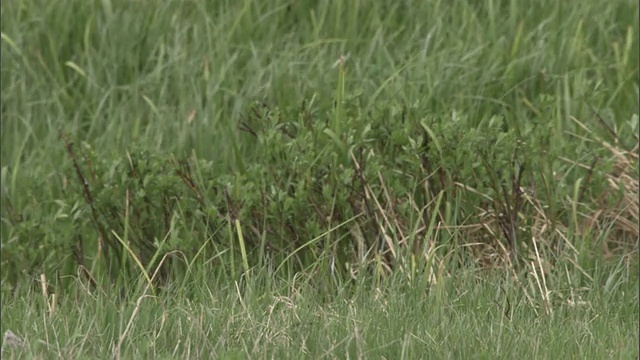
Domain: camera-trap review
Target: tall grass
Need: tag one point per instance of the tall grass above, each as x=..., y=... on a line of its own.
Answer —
x=327, y=158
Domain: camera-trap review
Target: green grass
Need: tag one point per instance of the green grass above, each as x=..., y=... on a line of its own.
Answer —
x=463, y=184
x=462, y=318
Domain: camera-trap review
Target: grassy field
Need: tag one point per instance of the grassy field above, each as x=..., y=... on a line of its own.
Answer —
x=307, y=179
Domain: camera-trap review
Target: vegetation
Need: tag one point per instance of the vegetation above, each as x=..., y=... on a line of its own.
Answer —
x=304, y=179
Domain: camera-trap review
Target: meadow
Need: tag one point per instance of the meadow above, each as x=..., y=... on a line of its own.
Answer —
x=313, y=179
